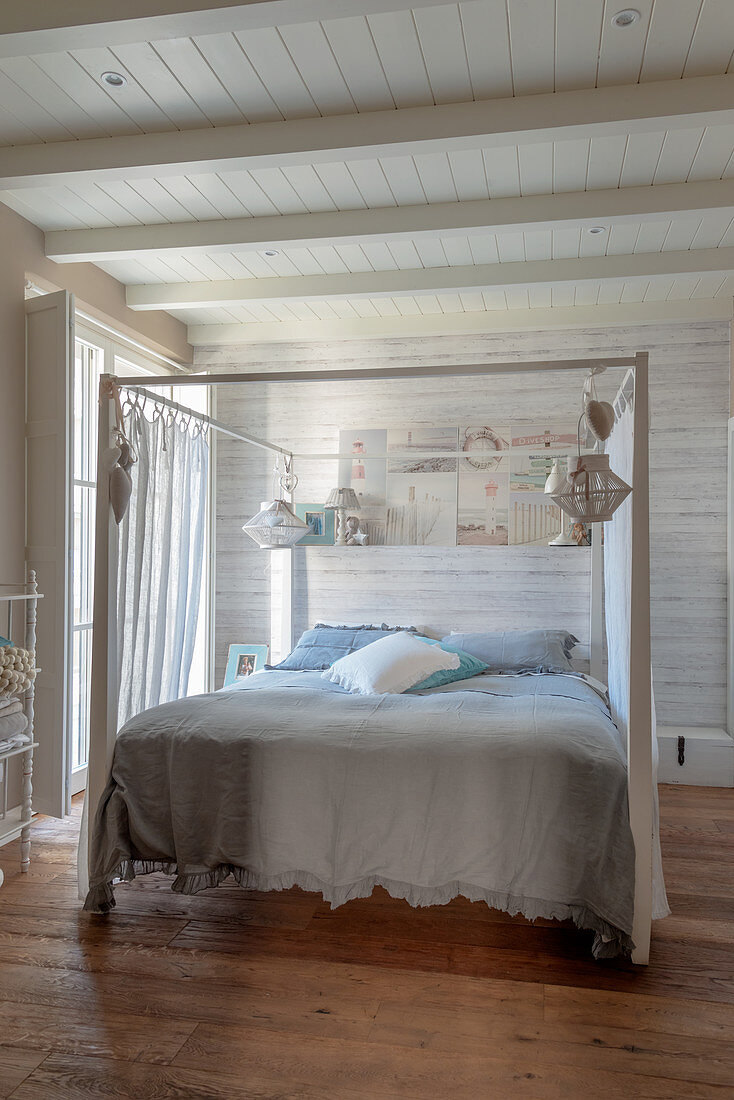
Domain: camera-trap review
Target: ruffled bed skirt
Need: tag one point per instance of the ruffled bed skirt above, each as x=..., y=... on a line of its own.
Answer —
x=609, y=942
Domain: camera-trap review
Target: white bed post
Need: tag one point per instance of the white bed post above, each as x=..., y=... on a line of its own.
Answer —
x=596, y=618
x=286, y=593
x=639, y=735
x=104, y=690
x=286, y=601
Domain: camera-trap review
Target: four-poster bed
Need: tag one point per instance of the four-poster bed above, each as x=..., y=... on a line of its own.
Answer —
x=632, y=706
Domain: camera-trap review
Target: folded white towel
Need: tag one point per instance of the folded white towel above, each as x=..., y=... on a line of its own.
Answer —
x=12, y=725
x=10, y=704
x=14, y=742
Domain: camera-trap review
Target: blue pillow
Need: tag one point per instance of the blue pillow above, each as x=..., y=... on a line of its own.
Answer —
x=519, y=650
x=317, y=649
x=468, y=666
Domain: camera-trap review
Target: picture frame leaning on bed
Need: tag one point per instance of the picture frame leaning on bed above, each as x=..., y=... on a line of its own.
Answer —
x=244, y=659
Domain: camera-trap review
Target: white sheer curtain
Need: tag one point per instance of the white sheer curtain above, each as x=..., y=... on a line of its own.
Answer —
x=617, y=583
x=160, y=560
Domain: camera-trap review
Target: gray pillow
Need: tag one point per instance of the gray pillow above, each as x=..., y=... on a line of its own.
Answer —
x=317, y=649
x=519, y=650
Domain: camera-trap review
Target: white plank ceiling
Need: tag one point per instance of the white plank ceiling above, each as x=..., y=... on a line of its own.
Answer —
x=539, y=169
x=481, y=49
x=387, y=61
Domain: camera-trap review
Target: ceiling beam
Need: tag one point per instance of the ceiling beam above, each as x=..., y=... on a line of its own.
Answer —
x=37, y=26
x=446, y=324
x=432, y=280
x=638, y=108
x=586, y=208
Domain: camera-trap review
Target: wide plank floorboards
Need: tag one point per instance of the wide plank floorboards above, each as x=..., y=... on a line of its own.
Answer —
x=239, y=995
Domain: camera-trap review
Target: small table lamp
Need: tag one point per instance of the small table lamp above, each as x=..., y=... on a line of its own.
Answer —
x=342, y=500
x=555, y=479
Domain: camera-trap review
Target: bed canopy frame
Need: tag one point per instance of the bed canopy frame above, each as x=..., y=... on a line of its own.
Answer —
x=640, y=725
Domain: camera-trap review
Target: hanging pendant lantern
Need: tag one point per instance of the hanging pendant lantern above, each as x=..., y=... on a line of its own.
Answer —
x=591, y=492
x=276, y=526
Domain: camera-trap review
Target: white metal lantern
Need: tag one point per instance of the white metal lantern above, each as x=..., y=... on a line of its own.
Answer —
x=276, y=526
x=591, y=492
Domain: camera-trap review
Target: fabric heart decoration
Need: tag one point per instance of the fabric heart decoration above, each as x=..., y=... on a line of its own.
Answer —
x=121, y=487
x=600, y=418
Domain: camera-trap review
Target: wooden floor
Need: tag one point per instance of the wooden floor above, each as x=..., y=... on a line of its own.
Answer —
x=236, y=994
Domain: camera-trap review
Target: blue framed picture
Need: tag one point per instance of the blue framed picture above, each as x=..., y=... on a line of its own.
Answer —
x=243, y=660
x=322, y=524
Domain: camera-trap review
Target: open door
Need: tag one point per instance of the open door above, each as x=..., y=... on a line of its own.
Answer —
x=49, y=362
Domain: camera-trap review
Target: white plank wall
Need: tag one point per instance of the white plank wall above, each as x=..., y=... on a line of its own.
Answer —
x=441, y=588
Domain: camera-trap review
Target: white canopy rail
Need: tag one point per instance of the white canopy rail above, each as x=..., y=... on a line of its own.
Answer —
x=634, y=602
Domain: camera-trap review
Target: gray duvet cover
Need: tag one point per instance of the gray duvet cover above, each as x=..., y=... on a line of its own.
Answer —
x=506, y=789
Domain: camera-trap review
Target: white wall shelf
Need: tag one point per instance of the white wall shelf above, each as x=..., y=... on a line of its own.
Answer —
x=17, y=821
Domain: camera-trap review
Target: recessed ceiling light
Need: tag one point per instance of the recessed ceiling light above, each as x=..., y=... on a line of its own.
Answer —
x=271, y=252
x=115, y=80
x=596, y=229
x=625, y=18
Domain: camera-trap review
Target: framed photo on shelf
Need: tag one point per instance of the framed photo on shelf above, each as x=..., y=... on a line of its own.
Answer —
x=243, y=660
x=322, y=524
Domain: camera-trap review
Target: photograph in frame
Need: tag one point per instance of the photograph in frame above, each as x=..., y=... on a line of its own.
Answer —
x=322, y=524
x=243, y=660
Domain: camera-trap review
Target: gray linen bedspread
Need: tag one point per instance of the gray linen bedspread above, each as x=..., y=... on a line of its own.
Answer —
x=507, y=789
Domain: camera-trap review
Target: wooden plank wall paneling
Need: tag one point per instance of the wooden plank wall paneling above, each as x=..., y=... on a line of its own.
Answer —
x=436, y=588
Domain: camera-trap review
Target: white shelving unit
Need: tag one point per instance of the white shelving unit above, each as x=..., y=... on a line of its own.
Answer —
x=14, y=823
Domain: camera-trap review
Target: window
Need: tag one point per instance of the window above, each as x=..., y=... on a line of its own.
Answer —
x=96, y=354
x=88, y=365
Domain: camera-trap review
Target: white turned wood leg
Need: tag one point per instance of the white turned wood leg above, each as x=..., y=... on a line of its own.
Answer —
x=26, y=812
x=25, y=848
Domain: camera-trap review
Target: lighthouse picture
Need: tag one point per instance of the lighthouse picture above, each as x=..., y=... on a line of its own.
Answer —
x=357, y=464
x=367, y=475
x=490, y=519
x=483, y=506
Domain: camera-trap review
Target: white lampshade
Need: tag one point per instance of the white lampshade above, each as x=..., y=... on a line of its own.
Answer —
x=555, y=478
x=276, y=526
x=592, y=492
x=342, y=498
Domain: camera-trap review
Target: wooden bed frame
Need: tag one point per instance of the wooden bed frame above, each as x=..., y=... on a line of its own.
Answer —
x=103, y=704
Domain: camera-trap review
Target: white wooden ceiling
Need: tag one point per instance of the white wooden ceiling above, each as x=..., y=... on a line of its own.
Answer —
x=62, y=167
x=627, y=160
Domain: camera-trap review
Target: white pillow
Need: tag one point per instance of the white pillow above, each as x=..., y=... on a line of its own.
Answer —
x=390, y=665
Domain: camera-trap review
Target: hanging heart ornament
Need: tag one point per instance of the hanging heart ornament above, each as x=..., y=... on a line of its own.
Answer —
x=599, y=418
